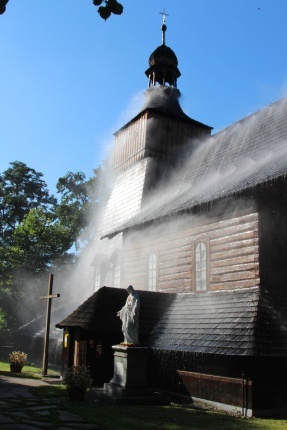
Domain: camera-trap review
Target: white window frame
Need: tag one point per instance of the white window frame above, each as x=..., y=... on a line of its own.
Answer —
x=201, y=265
x=152, y=272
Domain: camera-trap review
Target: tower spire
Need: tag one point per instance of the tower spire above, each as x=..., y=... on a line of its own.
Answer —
x=163, y=27
x=163, y=62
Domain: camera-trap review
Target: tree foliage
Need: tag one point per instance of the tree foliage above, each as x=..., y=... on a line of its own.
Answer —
x=81, y=201
x=106, y=7
x=38, y=242
x=21, y=189
x=38, y=234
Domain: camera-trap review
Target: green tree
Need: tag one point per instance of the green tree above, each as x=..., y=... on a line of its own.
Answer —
x=106, y=7
x=39, y=235
x=30, y=236
x=81, y=202
x=21, y=189
x=39, y=244
x=73, y=209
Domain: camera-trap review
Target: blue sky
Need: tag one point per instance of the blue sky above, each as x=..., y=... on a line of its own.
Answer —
x=69, y=79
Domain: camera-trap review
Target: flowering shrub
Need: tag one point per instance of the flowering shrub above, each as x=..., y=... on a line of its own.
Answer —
x=77, y=376
x=17, y=357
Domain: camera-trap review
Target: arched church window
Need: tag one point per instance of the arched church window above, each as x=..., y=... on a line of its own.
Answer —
x=152, y=272
x=97, y=277
x=117, y=273
x=102, y=269
x=100, y=263
x=116, y=269
x=201, y=266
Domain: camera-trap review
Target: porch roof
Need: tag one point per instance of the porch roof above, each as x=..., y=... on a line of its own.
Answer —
x=99, y=312
x=233, y=322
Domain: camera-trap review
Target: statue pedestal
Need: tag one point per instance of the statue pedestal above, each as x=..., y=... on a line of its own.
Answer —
x=130, y=367
x=129, y=382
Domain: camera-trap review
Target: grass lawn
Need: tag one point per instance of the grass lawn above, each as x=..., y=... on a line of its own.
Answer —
x=27, y=371
x=174, y=417
x=32, y=372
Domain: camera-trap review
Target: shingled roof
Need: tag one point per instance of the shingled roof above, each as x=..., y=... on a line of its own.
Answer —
x=165, y=101
x=234, y=322
x=248, y=153
x=222, y=322
x=218, y=323
x=99, y=312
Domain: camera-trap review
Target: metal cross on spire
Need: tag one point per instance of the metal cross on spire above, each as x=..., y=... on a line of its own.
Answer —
x=163, y=27
x=164, y=15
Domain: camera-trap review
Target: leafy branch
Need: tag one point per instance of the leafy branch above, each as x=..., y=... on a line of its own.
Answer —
x=106, y=7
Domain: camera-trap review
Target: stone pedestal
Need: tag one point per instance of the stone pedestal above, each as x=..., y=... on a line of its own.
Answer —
x=129, y=382
x=130, y=366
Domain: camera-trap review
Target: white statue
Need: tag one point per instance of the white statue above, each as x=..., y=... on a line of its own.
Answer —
x=129, y=315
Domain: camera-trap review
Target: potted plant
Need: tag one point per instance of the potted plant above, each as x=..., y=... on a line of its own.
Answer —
x=77, y=380
x=17, y=360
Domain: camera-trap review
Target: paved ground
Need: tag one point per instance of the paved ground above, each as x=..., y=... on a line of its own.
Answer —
x=20, y=410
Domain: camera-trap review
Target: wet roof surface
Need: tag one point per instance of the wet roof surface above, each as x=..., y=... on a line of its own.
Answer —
x=233, y=322
x=99, y=312
x=248, y=153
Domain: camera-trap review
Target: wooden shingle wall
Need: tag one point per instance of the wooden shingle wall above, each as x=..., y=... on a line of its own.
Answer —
x=130, y=145
x=153, y=135
x=126, y=197
x=232, y=249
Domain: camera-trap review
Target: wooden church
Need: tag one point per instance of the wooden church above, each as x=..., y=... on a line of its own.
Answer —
x=197, y=224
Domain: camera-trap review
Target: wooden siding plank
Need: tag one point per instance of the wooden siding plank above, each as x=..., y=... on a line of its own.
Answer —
x=217, y=225
x=232, y=245
x=175, y=276
x=230, y=230
x=234, y=238
x=176, y=262
x=246, y=283
x=176, y=269
x=242, y=259
x=234, y=268
x=175, y=245
x=235, y=276
x=248, y=251
x=174, y=284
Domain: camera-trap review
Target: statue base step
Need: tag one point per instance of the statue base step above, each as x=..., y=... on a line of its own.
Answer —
x=129, y=383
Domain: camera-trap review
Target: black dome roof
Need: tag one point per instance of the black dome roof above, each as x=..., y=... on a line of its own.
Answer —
x=163, y=64
x=163, y=55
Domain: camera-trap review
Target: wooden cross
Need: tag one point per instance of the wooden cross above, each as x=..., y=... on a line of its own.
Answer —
x=49, y=298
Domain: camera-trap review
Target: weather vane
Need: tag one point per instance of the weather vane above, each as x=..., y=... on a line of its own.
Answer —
x=164, y=15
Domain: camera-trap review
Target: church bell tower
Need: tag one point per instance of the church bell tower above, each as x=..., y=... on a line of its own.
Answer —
x=148, y=148
x=161, y=129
